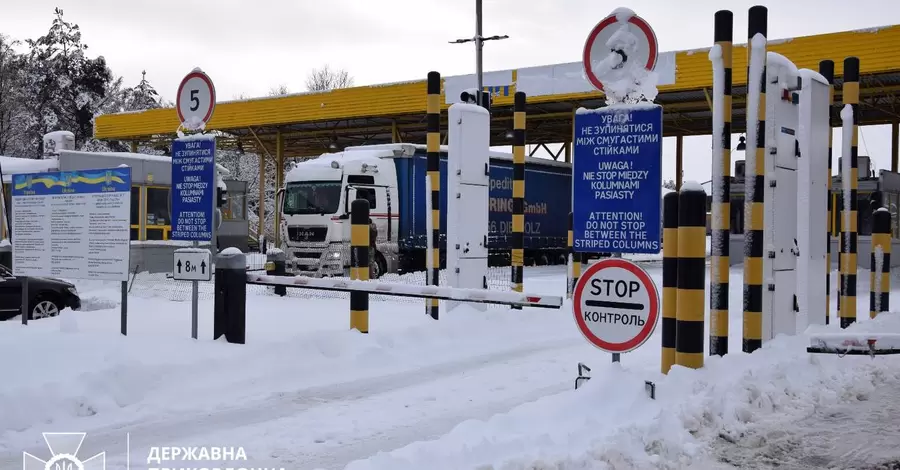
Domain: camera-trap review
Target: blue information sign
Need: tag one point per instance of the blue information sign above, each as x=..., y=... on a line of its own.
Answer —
x=617, y=180
x=193, y=188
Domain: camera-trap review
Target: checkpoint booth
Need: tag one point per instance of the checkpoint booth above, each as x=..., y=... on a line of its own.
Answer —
x=883, y=184
x=151, y=225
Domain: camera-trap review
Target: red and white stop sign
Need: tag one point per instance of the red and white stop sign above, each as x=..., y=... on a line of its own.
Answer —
x=616, y=305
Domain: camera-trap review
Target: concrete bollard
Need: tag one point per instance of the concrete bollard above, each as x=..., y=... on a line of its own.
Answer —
x=230, y=303
x=275, y=266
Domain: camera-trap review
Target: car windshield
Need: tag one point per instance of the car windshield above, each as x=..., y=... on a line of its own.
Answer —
x=312, y=197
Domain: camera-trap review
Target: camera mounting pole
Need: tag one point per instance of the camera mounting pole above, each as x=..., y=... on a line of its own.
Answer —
x=479, y=44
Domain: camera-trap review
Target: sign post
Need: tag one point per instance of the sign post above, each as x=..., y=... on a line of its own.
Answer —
x=617, y=167
x=72, y=224
x=194, y=183
x=616, y=305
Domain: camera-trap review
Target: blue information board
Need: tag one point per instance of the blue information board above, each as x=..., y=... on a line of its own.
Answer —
x=193, y=188
x=617, y=180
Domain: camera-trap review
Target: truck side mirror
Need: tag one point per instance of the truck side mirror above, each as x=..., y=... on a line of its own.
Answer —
x=351, y=196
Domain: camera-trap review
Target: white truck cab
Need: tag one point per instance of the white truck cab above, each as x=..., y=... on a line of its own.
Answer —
x=315, y=206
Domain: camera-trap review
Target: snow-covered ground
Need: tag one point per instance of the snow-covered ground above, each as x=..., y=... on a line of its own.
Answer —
x=475, y=388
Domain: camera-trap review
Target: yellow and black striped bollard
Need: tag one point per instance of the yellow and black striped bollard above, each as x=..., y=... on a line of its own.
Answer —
x=669, y=279
x=849, y=239
x=691, y=295
x=433, y=155
x=720, y=236
x=359, y=263
x=880, y=263
x=826, y=69
x=755, y=202
x=518, y=192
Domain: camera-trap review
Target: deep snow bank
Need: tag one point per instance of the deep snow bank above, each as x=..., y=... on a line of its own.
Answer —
x=610, y=422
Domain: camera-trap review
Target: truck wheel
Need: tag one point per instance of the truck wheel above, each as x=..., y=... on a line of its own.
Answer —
x=379, y=267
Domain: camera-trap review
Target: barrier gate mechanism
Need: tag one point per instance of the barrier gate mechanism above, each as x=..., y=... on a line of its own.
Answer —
x=468, y=180
x=796, y=166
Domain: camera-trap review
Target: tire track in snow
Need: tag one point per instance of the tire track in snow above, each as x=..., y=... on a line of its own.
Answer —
x=860, y=435
x=180, y=431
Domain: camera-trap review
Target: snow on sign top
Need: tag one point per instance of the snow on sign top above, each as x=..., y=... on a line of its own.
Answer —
x=619, y=51
x=196, y=100
x=616, y=305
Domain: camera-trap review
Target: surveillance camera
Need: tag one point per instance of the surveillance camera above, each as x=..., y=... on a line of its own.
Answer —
x=469, y=95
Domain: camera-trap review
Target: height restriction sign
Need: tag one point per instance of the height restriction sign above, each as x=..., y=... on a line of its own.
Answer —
x=616, y=305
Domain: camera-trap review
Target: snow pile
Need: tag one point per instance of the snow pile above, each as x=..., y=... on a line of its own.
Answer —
x=624, y=81
x=610, y=423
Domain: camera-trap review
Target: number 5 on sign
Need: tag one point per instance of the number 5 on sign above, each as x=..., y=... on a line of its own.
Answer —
x=196, y=100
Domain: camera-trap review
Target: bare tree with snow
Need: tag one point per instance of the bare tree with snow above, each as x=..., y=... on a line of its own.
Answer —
x=327, y=78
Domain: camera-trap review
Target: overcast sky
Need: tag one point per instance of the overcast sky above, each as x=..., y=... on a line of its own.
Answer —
x=248, y=47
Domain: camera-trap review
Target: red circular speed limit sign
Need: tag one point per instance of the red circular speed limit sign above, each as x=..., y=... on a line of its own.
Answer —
x=616, y=305
x=196, y=100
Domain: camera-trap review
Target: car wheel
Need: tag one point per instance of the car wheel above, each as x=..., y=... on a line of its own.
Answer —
x=44, y=308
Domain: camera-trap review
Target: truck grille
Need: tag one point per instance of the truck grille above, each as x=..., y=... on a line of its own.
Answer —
x=307, y=234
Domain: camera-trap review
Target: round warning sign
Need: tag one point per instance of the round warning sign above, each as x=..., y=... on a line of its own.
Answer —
x=616, y=305
x=620, y=46
x=196, y=100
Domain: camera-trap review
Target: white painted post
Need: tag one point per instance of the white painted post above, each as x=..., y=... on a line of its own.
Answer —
x=812, y=190
x=468, y=178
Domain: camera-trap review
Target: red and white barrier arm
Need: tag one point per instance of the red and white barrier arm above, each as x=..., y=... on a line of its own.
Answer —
x=869, y=344
x=409, y=290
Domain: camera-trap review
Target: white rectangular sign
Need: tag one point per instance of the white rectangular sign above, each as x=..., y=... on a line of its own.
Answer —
x=192, y=264
x=72, y=224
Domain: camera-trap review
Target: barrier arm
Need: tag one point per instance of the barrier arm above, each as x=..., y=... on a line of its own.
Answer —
x=855, y=344
x=406, y=290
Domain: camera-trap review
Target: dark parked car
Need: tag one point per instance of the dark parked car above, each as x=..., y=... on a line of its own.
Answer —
x=47, y=296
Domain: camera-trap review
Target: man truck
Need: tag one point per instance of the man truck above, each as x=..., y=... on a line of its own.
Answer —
x=315, y=203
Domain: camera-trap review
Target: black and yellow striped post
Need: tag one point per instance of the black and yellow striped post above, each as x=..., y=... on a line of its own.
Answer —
x=574, y=260
x=849, y=248
x=880, y=263
x=518, y=192
x=826, y=69
x=669, y=279
x=720, y=236
x=433, y=149
x=755, y=203
x=690, y=303
x=359, y=263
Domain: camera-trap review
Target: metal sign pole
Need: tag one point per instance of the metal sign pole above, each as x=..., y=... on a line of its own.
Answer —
x=195, y=293
x=24, y=300
x=616, y=357
x=124, y=313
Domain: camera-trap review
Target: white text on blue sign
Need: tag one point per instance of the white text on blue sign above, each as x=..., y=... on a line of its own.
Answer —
x=617, y=181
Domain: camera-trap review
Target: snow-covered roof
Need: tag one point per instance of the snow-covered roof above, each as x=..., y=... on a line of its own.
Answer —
x=411, y=148
x=123, y=155
x=15, y=165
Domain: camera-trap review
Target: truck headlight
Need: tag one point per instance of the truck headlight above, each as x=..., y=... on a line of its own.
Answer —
x=336, y=255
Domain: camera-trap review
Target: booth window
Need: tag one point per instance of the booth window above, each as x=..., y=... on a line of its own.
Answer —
x=235, y=208
x=135, y=212
x=158, y=224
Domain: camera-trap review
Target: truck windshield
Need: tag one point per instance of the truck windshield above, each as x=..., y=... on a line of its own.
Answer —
x=312, y=197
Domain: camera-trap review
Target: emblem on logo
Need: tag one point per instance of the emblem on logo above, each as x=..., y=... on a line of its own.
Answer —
x=64, y=449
